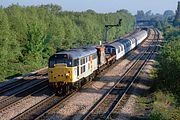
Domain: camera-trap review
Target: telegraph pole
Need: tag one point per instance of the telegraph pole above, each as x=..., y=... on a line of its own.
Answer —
x=108, y=27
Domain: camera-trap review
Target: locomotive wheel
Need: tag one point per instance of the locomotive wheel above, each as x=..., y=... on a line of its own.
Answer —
x=78, y=85
x=65, y=90
x=58, y=92
x=91, y=77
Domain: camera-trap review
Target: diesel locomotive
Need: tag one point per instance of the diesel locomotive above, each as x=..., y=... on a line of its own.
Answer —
x=70, y=69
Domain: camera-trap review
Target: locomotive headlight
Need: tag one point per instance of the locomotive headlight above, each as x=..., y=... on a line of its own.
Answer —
x=67, y=74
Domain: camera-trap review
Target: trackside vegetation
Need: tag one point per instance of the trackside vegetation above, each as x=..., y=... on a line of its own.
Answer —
x=166, y=100
x=30, y=34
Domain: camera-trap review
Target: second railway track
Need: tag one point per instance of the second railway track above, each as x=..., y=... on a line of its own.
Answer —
x=106, y=105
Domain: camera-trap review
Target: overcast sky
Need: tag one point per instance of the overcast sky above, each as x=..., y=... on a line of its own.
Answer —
x=103, y=6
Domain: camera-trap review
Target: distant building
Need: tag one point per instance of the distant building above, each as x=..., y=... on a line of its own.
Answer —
x=177, y=17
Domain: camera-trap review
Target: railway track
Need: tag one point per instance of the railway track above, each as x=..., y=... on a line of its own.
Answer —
x=108, y=102
x=22, y=88
x=19, y=81
x=22, y=95
x=39, y=110
x=12, y=85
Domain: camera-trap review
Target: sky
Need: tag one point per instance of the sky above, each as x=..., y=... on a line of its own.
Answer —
x=103, y=6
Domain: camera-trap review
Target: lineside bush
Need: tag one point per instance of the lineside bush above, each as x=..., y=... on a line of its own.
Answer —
x=167, y=94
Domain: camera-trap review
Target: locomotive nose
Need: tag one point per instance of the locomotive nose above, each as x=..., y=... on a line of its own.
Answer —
x=60, y=73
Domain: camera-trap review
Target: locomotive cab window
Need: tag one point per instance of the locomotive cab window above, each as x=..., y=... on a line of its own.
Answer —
x=61, y=59
x=51, y=63
x=76, y=62
x=68, y=62
x=108, y=50
x=113, y=51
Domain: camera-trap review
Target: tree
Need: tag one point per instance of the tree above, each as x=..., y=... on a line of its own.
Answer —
x=55, y=9
x=177, y=17
x=168, y=13
x=35, y=45
x=90, y=11
x=148, y=15
x=140, y=15
x=10, y=48
x=169, y=62
x=123, y=11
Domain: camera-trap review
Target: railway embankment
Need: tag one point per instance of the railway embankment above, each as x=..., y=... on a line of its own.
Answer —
x=163, y=98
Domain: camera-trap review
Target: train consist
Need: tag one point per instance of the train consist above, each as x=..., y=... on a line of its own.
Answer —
x=72, y=68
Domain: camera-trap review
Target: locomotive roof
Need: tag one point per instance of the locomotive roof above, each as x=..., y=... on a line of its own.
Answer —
x=79, y=52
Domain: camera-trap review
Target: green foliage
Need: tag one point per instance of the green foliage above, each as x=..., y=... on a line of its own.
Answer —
x=169, y=62
x=171, y=34
x=167, y=97
x=10, y=48
x=176, y=21
x=34, y=46
x=29, y=35
x=164, y=107
x=163, y=25
x=155, y=115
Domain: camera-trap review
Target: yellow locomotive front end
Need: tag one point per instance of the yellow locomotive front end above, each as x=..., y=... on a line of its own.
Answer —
x=62, y=72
